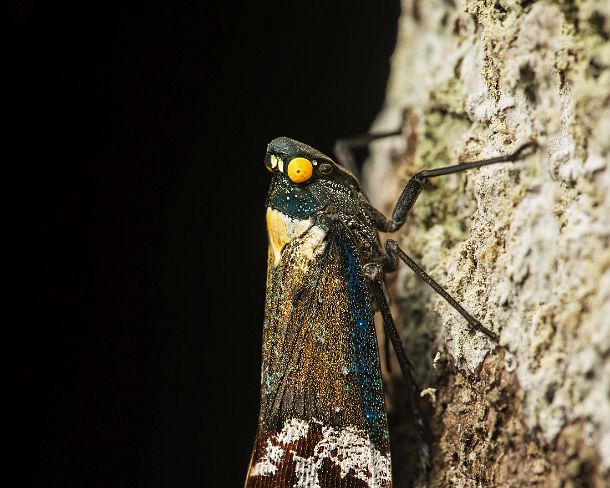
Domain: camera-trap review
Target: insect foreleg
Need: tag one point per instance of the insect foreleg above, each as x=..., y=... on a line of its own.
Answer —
x=344, y=148
x=393, y=249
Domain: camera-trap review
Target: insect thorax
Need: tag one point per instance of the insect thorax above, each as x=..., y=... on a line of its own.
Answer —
x=320, y=207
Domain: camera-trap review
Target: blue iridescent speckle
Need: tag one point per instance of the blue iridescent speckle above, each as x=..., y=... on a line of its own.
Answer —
x=292, y=200
x=365, y=363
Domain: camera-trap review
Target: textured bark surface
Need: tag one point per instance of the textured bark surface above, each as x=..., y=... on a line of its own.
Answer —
x=524, y=246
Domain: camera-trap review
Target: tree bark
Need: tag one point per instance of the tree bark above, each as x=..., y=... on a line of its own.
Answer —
x=524, y=246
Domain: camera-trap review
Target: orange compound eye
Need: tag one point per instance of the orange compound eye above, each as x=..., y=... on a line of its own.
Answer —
x=300, y=170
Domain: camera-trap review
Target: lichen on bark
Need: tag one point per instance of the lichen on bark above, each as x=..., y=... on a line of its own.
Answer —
x=523, y=246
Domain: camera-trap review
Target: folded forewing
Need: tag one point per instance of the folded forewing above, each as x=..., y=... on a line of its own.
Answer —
x=322, y=421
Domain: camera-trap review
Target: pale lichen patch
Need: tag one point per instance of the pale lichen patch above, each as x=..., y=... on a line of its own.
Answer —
x=525, y=248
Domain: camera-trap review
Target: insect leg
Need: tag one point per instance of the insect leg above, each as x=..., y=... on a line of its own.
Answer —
x=386, y=353
x=344, y=148
x=415, y=185
x=393, y=249
x=375, y=277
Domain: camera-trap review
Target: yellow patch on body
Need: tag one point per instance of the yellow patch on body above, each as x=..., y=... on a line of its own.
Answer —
x=283, y=229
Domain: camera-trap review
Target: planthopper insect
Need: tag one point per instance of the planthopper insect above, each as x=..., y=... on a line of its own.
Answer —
x=322, y=420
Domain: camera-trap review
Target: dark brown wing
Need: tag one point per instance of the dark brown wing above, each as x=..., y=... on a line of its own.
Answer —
x=322, y=421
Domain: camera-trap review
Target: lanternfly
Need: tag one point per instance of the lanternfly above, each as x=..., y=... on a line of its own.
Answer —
x=322, y=419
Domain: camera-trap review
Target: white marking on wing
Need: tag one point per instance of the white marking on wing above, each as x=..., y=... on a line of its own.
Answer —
x=350, y=449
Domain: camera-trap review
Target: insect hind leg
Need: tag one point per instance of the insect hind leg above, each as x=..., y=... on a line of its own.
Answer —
x=393, y=249
x=374, y=274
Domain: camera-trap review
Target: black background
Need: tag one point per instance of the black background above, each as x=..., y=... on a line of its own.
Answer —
x=138, y=244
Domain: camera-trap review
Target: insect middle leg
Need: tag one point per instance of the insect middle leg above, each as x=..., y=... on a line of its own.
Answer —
x=416, y=184
x=405, y=202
